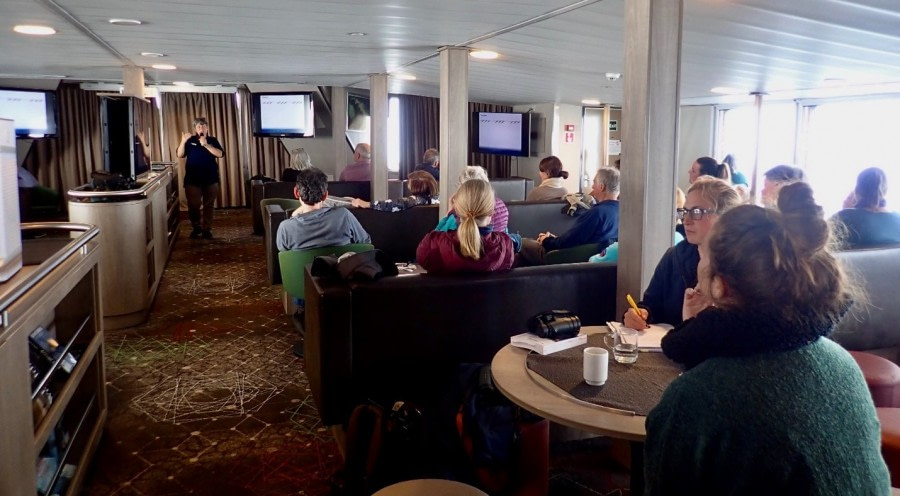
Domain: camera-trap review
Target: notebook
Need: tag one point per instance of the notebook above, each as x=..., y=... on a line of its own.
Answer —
x=545, y=346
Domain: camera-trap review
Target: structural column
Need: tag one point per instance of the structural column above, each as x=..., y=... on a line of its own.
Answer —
x=378, y=94
x=454, y=130
x=649, y=145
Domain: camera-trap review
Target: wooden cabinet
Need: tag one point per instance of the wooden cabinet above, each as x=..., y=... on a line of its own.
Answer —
x=52, y=408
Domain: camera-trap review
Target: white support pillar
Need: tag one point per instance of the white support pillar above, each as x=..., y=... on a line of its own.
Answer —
x=378, y=96
x=454, y=131
x=649, y=145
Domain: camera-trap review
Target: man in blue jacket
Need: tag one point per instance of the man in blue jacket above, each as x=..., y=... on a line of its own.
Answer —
x=598, y=225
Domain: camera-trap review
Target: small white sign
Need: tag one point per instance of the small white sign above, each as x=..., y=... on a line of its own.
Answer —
x=615, y=147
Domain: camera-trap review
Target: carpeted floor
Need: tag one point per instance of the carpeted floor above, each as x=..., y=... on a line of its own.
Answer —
x=206, y=398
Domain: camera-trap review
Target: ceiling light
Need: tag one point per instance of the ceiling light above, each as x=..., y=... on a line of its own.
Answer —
x=164, y=67
x=612, y=76
x=356, y=33
x=726, y=90
x=181, y=83
x=35, y=30
x=590, y=101
x=484, y=54
x=152, y=54
x=405, y=77
x=125, y=22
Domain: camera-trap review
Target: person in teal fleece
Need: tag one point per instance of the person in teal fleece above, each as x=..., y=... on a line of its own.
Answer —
x=767, y=403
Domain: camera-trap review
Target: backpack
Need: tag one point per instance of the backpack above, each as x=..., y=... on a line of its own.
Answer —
x=383, y=447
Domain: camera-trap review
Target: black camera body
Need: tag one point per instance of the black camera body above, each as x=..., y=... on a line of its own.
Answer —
x=555, y=325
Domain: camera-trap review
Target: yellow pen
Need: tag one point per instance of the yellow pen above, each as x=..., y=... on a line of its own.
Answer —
x=633, y=304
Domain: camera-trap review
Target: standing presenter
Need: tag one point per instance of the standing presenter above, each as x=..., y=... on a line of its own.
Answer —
x=201, y=178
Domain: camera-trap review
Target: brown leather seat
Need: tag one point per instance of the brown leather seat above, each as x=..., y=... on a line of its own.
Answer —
x=890, y=441
x=882, y=377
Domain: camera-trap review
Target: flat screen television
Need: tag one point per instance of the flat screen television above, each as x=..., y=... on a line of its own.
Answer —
x=283, y=115
x=33, y=112
x=502, y=133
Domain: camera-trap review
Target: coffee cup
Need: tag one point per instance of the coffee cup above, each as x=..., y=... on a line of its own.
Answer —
x=596, y=365
x=624, y=344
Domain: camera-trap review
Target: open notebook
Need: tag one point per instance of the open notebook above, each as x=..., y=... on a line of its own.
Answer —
x=648, y=339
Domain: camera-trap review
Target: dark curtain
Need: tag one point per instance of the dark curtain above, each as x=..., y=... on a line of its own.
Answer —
x=66, y=162
x=497, y=165
x=268, y=156
x=420, y=118
x=420, y=130
x=221, y=110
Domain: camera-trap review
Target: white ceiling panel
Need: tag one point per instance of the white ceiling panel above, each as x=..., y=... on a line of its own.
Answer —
x=551, y=51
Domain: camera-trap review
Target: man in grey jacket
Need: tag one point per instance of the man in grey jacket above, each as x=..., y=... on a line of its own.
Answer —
x=314, y=225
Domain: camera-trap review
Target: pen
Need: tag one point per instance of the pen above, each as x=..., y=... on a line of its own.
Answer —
x=633, y=304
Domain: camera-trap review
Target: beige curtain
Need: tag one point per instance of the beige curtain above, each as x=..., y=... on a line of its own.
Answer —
x=220, y=109
x=66, y=162
x=268, y=156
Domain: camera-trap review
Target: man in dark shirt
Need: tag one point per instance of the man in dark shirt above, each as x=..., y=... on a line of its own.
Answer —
x=598, y=225
x=431, y=163
x=201, y=177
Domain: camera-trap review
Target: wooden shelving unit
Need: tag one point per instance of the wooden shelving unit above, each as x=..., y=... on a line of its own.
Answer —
x=49, y=446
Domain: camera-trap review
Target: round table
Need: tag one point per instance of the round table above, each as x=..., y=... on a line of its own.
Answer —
x=537, y=395
x=430, y=487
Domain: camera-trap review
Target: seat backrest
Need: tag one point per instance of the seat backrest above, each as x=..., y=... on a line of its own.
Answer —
x=286, y=204
x=512, y=188
x=872, y=325
x=532, y=218
x=575, y=254
x=293, y=264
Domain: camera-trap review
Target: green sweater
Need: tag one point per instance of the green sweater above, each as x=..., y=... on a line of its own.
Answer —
x=798, y=421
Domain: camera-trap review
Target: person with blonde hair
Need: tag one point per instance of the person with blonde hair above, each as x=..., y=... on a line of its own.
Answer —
x=707, y=199
x=473, y=246
x=300, y=160
x=766, y=404
x=500, y=219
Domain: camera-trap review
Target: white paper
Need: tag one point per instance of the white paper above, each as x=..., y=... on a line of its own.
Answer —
x=615, y=147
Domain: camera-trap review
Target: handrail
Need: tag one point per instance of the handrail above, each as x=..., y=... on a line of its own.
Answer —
x=90, y=232
x=142, y=191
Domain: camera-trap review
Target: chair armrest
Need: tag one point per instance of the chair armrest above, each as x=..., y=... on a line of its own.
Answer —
x=257, y=193
x=275, y=215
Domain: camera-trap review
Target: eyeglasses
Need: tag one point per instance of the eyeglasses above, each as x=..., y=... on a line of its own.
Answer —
x=695, y=213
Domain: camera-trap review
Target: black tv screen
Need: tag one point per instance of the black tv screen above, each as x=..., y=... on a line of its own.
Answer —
x=283, y=115
x=502, y=133
x=32, y=111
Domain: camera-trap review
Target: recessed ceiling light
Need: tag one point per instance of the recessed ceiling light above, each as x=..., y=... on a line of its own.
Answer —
x=356, y=33
x=152, y=54
x=612, y=76
x=181, y=83
x=590, y=101
x=34, y=29
x=405, y=77
x=727, y=90
x=484, y=54
x=164, y=67
x=125, y=22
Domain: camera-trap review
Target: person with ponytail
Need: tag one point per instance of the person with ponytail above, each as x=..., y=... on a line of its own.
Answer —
x=552, y=176
x=473, y=246
x=865, y=221
x=766, y=404
x=707, y=166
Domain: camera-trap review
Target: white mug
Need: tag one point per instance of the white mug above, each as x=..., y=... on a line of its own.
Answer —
x=596, y=365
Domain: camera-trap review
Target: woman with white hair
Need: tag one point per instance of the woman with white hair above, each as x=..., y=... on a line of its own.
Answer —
x=500, y=218
x=299, y=160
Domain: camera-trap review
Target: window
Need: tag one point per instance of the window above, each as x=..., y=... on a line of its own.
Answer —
x=776, y=136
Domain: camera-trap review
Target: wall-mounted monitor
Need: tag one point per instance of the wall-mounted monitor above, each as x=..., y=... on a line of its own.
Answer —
x=32, y=111
x=359, y=118
x=283, y=115
x=502, y=133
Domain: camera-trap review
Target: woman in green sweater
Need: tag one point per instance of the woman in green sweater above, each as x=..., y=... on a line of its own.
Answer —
x=767, y=404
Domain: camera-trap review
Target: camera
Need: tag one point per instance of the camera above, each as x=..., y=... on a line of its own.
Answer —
x=555, y=325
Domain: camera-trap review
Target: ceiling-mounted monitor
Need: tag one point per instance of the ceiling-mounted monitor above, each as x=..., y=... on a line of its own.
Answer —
x=283, y=115
x=33, y=112
x=502, y=133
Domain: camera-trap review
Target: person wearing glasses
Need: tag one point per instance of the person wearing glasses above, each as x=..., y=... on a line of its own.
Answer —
x=707, y=199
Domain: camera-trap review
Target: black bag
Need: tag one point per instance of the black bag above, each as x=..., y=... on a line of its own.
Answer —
x=366, y=265
x=383, y=447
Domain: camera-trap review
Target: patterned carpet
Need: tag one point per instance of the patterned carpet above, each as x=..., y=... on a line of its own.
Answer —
x=206, y=397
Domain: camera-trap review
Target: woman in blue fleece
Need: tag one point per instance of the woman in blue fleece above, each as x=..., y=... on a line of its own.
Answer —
x=767, y=404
